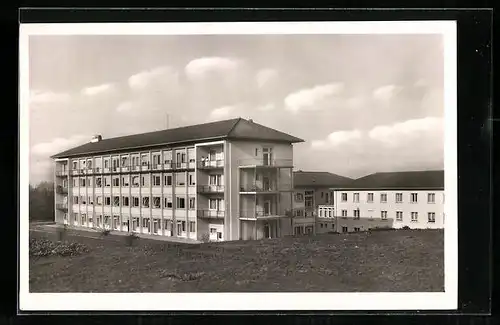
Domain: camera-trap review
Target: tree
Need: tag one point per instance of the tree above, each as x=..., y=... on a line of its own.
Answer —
x=41, y=202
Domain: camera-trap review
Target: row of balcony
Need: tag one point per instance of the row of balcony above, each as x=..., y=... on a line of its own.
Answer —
x=202, y=164
x=265, y=162
x=265, y=188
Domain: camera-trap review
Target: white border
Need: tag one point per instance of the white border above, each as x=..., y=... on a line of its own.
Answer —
x=249, y=301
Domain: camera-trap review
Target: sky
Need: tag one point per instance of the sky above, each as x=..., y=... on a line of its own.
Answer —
x=362, y=103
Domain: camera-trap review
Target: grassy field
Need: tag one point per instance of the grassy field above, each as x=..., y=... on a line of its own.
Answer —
x=403, y=260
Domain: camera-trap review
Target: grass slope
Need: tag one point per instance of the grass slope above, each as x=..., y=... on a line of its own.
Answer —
x=403, y=260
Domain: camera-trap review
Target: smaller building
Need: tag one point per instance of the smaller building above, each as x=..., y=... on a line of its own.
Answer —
x=312, y=189
x=413, y=199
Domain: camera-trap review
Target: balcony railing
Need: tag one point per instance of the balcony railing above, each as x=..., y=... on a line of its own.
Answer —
x=210, y=164
x=251, y=162
x=62, y=206
x=211, y=188
x=256, y=214
x=267, y=188
x=61, y=190
x=62, y=173
x=211, y=214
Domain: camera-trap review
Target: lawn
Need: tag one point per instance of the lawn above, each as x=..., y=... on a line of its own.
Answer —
x=402, y=260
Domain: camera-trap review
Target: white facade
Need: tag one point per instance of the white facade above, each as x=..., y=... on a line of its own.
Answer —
x=360, y=210
x=222, y=190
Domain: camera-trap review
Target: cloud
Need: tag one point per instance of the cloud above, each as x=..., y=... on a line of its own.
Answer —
x=58, y=144
x=125, y=107
x=44, y=97
x=265, y=76
x=355, y=102
x=311, y=98
x=337, y=138
x=96, y=90
x=401, y=133
x=201, y=67
x=387, y=92
x=266, y=107
x=221, y=112
x=158, y=76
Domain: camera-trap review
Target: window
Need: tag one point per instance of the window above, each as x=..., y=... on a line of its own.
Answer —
x=431, y=217
x=192, y=226
x=321, y=213
x=191, y=155
x=383, y=197
x=167, y=202
x=156, y=159
x=135, y=201
x=180, y=179
x=145, y=160
x=399, y=197
x=216, y=204
x=356, y=229
x=98, y=182
x=369, y=197
x=156, y=180
x=116, y=181
x=116, y=201
x=168, y=180
x=322, y=194
x=215, y=180
x=344, y=213
x=89, y=164
x=145, y=180
x=83, y=200
x=98, y=200
x=191, y=179
x=344, y=197
x=91, y=200
x=107, y=200
x=256, y=152
x=75, y=164
x=167, y=157
x=192, y=203
x=355, y=197
x=183, y=223
x=135, y=161
x=356, y=214
x=330, y=213
x=308, y=201
x=75, y=199
x=106, y=163
x=309, y=193
x=431, y=198
x=75, y=182
x=82, y=182
x=326, y=197
x=145, y=202
x=321, y=225
x=125, y=201
x=125, y=180
x=344, y=229
x=180, y=203
x=414, y=216
x=156, y=202
x=107, y=181
x=299, y=213
x=414, y=198
x=135, y=181
x=299, y=197
x=124, y=161
x=383, y=215
x=399, y=215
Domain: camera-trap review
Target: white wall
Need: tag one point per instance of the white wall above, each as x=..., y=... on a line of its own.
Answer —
x=373, y=209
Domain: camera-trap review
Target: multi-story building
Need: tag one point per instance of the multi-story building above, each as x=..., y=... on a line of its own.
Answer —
x=224, y=180
x=312, y=189
x=413, y=199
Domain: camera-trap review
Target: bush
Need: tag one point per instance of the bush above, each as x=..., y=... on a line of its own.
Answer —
x=205, y=238
x=406, y=228
x=45, y=247
x=381, y=229
x=130, y=239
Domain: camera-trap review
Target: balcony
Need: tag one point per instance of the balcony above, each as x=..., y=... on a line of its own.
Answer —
x=256, y=162
x=262, y=214
x=210, y=164
x=210, y=188
x=61, y=190
x=62, y=206
x=259, y=188
x=211, y=214
x=62, y=173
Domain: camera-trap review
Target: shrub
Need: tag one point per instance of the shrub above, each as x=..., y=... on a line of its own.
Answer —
x=406, y=228
x=205, y=238
x=381, y=229
x=130, y=239
x=45, y=247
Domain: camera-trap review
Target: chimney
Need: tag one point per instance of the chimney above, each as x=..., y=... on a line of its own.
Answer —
x=96, y=138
